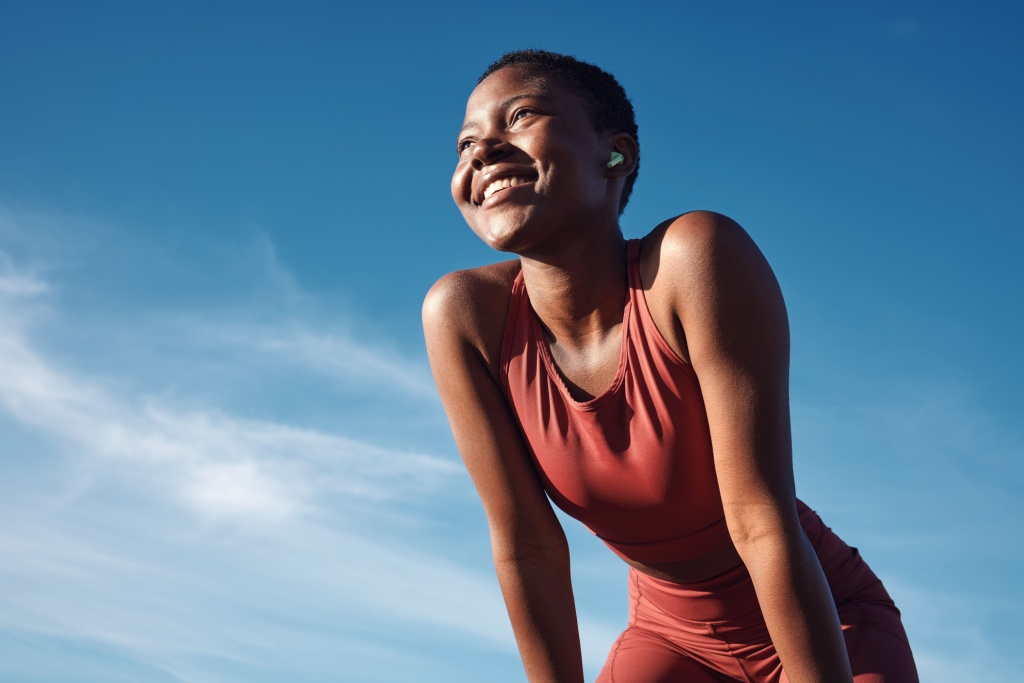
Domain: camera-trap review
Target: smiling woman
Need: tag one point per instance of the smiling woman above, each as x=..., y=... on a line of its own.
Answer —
x=643, y=387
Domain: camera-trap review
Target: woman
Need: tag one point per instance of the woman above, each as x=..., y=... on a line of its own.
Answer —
x=643, y=386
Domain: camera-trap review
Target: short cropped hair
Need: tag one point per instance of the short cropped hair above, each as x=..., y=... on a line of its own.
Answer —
x=610, y=108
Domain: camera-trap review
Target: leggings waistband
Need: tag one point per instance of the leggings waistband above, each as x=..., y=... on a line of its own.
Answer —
x=731, y=595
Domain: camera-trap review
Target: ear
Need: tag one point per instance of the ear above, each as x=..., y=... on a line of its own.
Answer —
x=624, y=144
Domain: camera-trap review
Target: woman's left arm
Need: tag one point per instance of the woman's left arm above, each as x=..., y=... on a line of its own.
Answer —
x=736, y=332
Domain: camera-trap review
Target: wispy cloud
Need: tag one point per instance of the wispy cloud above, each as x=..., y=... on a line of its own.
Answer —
x=16, y=284
x=338, y=354
x=177, y=601
x=216, y=463
x=164, y=524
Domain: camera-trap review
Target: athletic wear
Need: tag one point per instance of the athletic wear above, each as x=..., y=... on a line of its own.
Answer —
x=713, y=630
x=633, y=464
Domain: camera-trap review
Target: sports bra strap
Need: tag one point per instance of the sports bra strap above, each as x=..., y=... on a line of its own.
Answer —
x=633, y=250
x=633, y=271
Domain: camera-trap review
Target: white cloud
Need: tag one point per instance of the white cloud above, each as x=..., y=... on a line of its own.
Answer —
x=14, y=284
x=338, y=354
x=199, y=534
x=304, y=589
x=217, y=464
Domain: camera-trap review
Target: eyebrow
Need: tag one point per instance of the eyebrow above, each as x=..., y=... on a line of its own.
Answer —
x=506, y=104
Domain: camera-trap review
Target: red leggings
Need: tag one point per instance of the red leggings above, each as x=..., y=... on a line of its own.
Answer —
x=713, y=631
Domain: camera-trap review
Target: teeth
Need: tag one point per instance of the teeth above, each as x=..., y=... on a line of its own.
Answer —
x=503, y=183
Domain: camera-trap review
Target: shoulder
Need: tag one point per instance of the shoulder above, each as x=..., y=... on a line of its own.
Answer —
x=709, y=286
x=699, y=235
x=701, y=251
x=470, y=307
x=469, y=297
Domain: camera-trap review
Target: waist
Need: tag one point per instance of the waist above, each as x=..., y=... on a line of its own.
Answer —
x=722, y=597
x=710, y=552
x=693, y=546
x=693, y=570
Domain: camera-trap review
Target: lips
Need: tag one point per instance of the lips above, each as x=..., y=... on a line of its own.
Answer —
x=493, y=182
x=503, y=184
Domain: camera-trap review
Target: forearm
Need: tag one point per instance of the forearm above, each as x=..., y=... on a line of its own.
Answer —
x=539, y=598
x=798, y=608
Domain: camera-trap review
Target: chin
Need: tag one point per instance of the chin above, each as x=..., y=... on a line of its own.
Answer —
x=500, y=241
x=502, y=233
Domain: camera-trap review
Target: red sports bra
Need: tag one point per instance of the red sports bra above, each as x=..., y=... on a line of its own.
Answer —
x=634, y=464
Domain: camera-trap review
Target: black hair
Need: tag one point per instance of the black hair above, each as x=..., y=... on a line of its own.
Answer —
x=607, y=101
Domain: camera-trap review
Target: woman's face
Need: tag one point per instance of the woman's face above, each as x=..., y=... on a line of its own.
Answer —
x=530, y=162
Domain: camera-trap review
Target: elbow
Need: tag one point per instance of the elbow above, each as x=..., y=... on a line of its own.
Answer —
x=762, y=530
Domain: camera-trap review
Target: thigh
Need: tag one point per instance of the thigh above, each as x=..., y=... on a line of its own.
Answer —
x=640, y=656
x=875, y=640
x=877, y=644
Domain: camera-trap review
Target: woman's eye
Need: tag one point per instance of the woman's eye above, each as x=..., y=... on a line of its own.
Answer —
x=464, y=145
x=520, y=114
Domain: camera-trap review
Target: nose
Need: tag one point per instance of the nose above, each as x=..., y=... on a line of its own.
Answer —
x=488, y=150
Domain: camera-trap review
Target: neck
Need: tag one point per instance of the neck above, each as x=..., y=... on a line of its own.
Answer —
x=581, y=291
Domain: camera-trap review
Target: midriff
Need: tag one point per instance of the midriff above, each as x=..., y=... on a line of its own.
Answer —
x=692, y=570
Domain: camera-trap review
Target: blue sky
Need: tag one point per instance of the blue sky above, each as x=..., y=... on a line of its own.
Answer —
x=221, y=455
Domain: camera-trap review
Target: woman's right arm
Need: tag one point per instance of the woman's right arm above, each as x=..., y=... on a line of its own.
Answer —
x=463, y=322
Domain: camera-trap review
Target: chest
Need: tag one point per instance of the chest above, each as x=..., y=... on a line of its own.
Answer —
x=633, y=463
x=588, y=369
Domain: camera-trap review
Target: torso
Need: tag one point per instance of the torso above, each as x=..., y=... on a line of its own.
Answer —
x=695, y=570
x=634, y=479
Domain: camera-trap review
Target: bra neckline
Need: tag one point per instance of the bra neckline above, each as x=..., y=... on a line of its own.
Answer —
x=556, y=376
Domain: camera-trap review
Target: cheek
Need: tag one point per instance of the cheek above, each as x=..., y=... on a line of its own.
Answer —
x=461, y=184
x=456, y=192
x=461, y=190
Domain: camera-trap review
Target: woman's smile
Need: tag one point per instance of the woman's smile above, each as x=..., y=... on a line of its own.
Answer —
x=499, y=182
x=504, y=184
